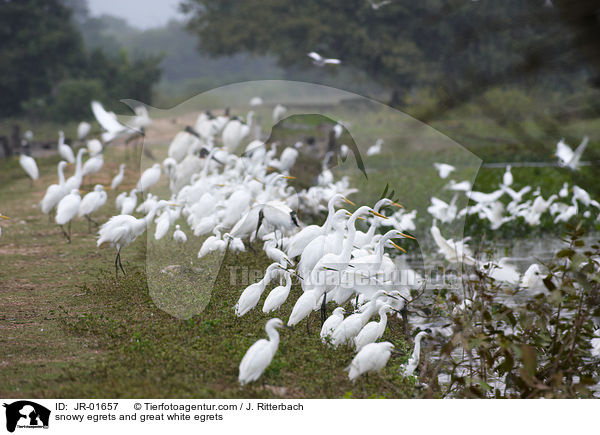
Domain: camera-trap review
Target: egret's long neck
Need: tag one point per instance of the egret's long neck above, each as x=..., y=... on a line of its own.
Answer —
x=381, y=246
x=61, y=175
x=330, y=212
x=273, y=336
x=78, y=164
x=349, y=243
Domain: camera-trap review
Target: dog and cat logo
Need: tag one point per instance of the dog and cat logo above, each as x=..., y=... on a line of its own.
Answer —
x=25, y=414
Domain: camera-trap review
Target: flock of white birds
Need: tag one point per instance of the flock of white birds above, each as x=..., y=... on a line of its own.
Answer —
x=234, y=199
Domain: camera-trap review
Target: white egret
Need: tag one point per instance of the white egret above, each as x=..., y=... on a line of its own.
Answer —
x=569, y=158
x=118, y=179
x=213, y=243
x=371, y=358
x=91, y=202
x=29, y=166
x=454, y=252
x=413, y=361
x=533, y=279
x=92, y=165
x=255, y=101
x=279, y=112
x=320, y=61
x=233, y=133
x=121, y=230
x=251, y=294
x=66, y=210
x=108, y=122
x=501, y=270
x=65, y=150
x=179, y=236
x=278, y=295
x=128, y=202
x=94, y=147
x=55, y=192
x=260, y=354
x=74, y=181
x=149, y=178
x=372, y=331
x=331, y=323
x=83, y=129
x=375, y=149
x=507, y=178
x=444, y=169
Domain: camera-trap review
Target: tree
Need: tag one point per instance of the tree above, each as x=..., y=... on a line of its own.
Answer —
x=457, y=48
x=39, y=48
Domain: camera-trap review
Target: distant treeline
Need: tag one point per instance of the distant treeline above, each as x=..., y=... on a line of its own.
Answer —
x=46, y=71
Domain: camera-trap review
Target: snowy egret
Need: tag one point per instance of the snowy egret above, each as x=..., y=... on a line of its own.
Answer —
x=260, y=354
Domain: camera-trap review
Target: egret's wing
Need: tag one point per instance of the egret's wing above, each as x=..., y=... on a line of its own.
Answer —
x=107, y=121
x=333, y=61
x=314, y=55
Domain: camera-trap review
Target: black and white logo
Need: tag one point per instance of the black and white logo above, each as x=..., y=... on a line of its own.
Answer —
x=25, y=414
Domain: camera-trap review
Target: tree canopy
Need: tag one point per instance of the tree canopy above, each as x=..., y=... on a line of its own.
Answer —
x=450, y=46
x=46, y=71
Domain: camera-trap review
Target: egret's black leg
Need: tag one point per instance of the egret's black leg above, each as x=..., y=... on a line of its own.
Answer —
x=121, y=265
x=307, y=328
x=89, y=223
x=117, y=266
x=323, y=309
x=69, y=231
x=65, y=234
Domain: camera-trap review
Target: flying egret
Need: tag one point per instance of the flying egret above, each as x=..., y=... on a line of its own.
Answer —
x=66, y=210
x=279, y=112
x=569, y=158
x=260, y=354
x=118, y=179
x=65, y=150
x=371, y=358
x=108, y=122
x=320, y=61
x=444, y=169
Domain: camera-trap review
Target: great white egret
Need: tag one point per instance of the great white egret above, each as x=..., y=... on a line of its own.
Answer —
x=55, y=192
x=29, y=166
x=92, y=165
x=94, y=147
x=149, y=178
x=413, y=361
x=74, y=181
x=233, y=133
x=91, y=202
x=320, y=61
x=279, y=112
x=331, y=323
x=507, y=178
x=569, y=158
x=121, y=230
x=444, y=169
x=66, y=210
x=372, y=331
x=65, y=150
x=108, y=122
x=179, y=236
x=118, y=179
x=251, y=295
x=83, y=129
x=371, y=358
x=278, y=295
x=375, y=149
x=260, y=354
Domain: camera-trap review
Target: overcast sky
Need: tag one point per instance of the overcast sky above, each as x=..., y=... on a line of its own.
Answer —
x=140, y=13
